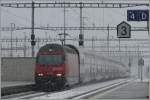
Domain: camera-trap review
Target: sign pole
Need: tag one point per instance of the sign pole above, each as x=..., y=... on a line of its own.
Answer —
x=141, y=15
x=149, y=49
x=0, y=43
x=141, y=73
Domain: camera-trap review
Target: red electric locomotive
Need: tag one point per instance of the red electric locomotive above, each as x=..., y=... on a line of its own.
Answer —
x=57, y=66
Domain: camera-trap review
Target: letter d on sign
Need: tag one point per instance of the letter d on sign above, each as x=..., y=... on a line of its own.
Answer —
x=144, y=16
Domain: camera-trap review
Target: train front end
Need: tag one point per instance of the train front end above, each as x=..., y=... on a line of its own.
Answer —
x=50, y=66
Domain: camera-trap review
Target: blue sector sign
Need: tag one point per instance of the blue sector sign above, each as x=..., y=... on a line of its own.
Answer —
x=137, y=15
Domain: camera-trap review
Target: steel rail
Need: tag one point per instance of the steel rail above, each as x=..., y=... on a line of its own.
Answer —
x=98, y=90
x=32, y=96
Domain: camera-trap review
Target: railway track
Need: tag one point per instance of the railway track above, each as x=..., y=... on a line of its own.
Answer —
x=86, y=95
x=80, y=92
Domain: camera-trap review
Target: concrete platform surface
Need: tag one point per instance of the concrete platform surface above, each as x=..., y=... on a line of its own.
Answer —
x=132, y=90
x=8, y=88
x=15, y=83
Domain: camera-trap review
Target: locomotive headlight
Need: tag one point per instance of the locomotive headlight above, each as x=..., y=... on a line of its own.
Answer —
x=58, y=75
x=40, y=74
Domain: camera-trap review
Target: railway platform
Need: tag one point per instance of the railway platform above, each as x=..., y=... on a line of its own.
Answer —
x=133, y=90
x=12, y=87
x=5, y=84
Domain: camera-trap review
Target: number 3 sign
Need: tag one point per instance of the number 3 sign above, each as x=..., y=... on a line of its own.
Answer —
x=123, y=30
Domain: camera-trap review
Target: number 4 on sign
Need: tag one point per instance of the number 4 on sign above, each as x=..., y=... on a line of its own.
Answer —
x=132, y=16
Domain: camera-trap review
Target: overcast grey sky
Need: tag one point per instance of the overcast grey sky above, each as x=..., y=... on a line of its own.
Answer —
x=54, y=17
x=101, y=17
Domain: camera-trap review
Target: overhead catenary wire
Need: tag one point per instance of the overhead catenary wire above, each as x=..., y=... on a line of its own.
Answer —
x=39, y=0
x=20, y=17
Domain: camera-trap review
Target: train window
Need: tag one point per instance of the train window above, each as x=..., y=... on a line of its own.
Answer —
x=50, y=59
x=63, y=58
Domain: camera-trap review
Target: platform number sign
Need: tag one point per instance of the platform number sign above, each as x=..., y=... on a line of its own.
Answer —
x=137, y=15
x=123, y=30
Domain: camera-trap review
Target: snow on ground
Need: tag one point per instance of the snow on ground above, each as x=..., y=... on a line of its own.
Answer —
x=76, y=91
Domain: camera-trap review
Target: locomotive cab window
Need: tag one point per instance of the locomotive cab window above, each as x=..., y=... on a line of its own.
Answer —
x=50, y=59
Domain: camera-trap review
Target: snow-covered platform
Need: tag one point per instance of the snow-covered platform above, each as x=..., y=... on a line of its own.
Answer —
x=15, y=87
x=132, y=90
x=15, y=83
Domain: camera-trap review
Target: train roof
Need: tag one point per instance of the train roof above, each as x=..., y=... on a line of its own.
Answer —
x=99, y=55
x=79, y=51
x=57, y=47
